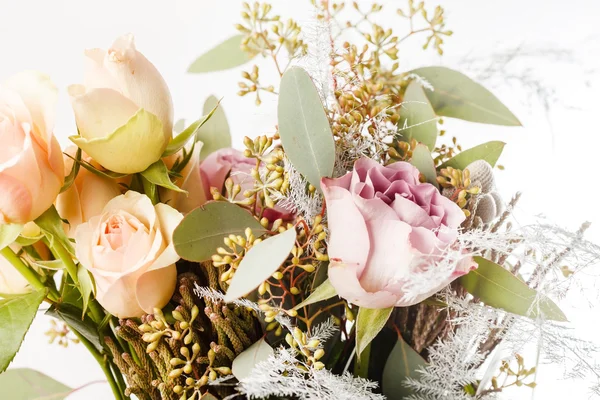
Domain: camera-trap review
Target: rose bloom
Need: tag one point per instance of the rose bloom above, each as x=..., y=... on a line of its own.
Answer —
x=123, y=105
x=383, y=225
x=31, y=162
x=86, y=197
x=129, y=250
x=232, y=163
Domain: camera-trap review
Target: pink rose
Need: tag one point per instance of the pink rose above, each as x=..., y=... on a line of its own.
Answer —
x=383, y=224
x=232, y=163
x=86, y=197
x=129, y=251
x=31, y=162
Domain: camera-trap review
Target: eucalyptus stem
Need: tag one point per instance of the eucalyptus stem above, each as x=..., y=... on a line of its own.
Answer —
x=104, y=363
x=28, y=273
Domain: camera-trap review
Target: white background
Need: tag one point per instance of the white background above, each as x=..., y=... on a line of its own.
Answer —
x=552, y=159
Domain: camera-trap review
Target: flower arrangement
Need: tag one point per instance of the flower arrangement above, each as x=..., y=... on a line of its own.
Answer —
x=352, y=254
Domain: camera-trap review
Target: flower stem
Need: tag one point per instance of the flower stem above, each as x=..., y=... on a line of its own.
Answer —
x=104, y=363
x=28, y=273
x=97, y=313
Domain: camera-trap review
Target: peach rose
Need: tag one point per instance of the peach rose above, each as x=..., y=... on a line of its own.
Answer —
x=123, y=105
x=86, y=197
x=129, y=251
x=31, y=162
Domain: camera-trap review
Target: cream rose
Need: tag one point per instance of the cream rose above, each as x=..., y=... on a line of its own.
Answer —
x=123, y=105
x=129, y=251
x=86, y=197
x=31, y=163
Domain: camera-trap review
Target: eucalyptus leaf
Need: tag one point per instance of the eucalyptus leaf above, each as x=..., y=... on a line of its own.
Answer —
x=9, y=233
x=369, y=322
x=457, y=96
x=52, y=226
x=215, y=134
x=16, y=315
x=417, y=119
x=489, y=152
x=184, y=137
x=158, y=174
x=28, y=384
x=259, y=263
x=423, y=161
x=225, y=55
x=305, y=132
x=324, y=292
x=69, y=179
x=71, y=315
x=496, y=287
x=202, y=231
x=403, y=362
x=244, y=363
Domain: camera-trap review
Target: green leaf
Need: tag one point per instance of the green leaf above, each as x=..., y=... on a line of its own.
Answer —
x=496, y=287
x=87, y=286
x=27, y=384
x=52, y=226
x=304, y=128
x=417, y=119
x=158, y=174
x=71, y=315
x=16, y=314
x=259, y=263
x=214, y=135
x=54, y=265
x=184, y=137
x=226, y=55
x=369, y=323
x=457, y=96
x=9, y=233
x=325, y=291
x=489, y=152
x=95, y=171
x=403, y=362
x=202, y=231
x=422, y=160
x=245, y=362
x=69, y=179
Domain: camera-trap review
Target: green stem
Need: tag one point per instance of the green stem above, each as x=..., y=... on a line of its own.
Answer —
x=151, y=190
x=31, y=277
x=96, y=311
x=104, y=363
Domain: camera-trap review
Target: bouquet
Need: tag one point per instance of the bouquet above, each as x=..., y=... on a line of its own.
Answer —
x=352, y=253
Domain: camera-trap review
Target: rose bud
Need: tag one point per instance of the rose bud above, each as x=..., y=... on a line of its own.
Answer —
x=124, y=105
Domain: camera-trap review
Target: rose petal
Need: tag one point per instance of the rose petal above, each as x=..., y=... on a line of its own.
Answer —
x=411, y=213
x=120, y=298
x=390, y=256
x=344, y=278
x=155, y=288
x=100, y=112
x=349, y=239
